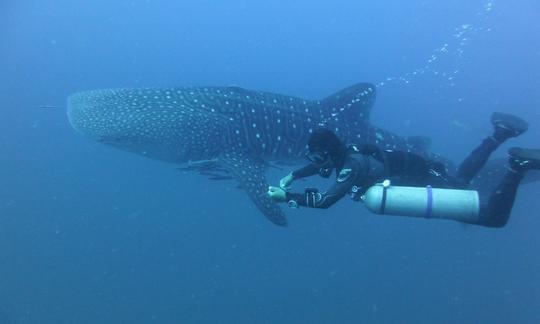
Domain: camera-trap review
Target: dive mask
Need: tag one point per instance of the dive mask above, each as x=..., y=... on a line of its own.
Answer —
x=321, y=159
x=318, y=158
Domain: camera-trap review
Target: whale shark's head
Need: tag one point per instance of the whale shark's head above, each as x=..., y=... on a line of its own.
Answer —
x=151, y=122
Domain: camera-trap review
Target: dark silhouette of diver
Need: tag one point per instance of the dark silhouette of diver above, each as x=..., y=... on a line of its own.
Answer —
x=358, y=169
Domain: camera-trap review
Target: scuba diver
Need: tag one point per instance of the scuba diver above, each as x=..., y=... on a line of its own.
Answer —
x=361, y=168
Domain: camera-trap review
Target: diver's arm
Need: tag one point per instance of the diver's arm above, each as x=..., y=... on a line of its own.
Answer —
x=315, y=199
x=307, y=171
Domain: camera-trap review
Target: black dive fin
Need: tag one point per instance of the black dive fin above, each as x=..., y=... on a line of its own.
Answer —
x=524, y=159
x=250, y=173
x=493, y=172
x=354, y=102
x=510, y=124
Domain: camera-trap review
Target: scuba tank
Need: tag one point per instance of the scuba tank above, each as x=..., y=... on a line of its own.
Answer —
x=427, y=202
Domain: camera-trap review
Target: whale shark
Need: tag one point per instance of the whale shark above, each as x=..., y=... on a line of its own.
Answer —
x=230, y=132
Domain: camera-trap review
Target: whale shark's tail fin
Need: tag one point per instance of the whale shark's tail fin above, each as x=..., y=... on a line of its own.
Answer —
x=353, y=103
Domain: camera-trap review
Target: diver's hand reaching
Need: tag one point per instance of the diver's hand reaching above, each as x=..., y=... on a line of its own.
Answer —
x=277, y=194
x=285, y=182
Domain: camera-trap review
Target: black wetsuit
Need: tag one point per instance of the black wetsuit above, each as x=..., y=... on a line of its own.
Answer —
x=357, y=172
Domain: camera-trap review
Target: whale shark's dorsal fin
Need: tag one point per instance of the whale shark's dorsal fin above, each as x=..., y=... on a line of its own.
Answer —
x=354, y=102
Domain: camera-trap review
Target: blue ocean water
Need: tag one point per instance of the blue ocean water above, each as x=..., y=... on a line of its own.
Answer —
x=89, y=234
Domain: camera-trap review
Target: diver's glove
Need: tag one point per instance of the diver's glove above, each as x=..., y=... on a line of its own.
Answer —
x=277, y=194
x=285, y=183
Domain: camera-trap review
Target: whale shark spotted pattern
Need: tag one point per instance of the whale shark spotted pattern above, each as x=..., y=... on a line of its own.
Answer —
x=228, y=129
x=238, y=128
x=197, y=121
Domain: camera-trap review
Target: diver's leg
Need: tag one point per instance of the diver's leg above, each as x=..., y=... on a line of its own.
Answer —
x=476, y=160
x=497, y=211
x=505, y=127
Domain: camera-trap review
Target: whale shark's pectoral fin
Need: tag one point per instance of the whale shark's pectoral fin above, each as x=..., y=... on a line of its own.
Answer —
x=250, y=173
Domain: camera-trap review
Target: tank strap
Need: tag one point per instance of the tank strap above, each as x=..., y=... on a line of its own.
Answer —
x=429, y=207
x=383, y=200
